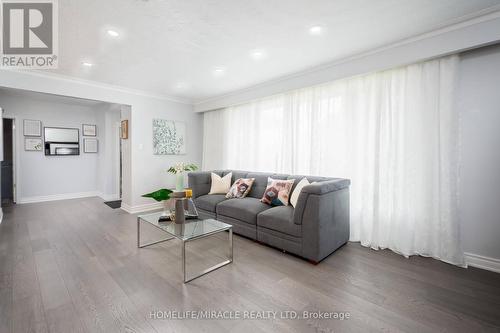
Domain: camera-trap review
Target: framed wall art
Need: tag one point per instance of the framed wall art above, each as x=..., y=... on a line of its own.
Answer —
x=124, y=129
x=90, y=145
x=32, y=127
x=89, y=130
x=33, y=144
x=169, y=137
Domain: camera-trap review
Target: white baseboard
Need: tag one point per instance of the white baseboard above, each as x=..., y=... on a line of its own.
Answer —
x=54, y=197
x=488, y=263
x=109, y=197
x=141, y=208
x=66, y=196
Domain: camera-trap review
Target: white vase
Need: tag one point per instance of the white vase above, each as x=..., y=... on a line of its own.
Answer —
x=179, y=182
x=166, y=208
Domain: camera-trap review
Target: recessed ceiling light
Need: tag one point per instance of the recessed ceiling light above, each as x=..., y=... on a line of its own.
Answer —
x=113, y=33
x=219, y=71
x=258, y=54
x=315, y=30
x=87, y=64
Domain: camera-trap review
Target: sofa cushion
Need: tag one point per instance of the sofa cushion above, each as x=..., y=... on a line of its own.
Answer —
x=245, y=209
x=280, y=219
x=209, y=201
x=259, y=184
x=236, y=174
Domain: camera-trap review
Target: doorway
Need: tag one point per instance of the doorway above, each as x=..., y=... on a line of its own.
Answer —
x=118, y=137
x=117, y=142
x=7, y=165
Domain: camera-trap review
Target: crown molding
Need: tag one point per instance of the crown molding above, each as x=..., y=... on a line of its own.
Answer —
x=462, y=22
x=100, y=85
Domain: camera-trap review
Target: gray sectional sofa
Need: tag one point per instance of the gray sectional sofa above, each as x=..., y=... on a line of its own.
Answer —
x=316, y=227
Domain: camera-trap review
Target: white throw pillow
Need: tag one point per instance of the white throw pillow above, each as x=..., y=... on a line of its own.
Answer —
x=220, y=185
x=295, y=194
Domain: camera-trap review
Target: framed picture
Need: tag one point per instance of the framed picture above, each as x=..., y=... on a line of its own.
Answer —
x=169, y=137
x=89, y=130
x=124, y=129
x=32, y=127
x=33, y=144
x=89, y=145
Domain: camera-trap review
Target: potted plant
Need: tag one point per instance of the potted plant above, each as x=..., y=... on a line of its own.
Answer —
x=178, y=170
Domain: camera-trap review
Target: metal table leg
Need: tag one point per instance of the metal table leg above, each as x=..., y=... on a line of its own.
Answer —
x=210, y=269
x=138, y=232
x=231, y=244
x=184, y=261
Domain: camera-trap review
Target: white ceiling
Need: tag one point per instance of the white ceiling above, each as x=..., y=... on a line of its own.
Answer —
x=172, y=47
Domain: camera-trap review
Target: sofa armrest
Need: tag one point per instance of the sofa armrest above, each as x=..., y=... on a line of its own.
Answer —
x=319, y=188
x=323, y=211
x=326, y=186
x=199, y=182
x=325, y=222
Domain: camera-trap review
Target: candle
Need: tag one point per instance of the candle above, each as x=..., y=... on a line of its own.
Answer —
x=189, y=193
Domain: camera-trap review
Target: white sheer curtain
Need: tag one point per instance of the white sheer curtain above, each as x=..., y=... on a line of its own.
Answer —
x=393, y=133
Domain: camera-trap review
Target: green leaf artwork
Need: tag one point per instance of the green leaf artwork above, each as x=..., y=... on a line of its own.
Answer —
x=160, y=195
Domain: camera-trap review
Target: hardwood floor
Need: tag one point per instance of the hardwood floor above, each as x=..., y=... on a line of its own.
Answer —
x=73, y=266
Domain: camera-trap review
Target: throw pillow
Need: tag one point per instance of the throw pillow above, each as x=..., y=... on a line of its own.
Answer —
x=295, y=195
x=277, y=192
x=240, y=188
x=220, y=185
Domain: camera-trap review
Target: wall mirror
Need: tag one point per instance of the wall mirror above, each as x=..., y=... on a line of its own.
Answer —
x=62, y=141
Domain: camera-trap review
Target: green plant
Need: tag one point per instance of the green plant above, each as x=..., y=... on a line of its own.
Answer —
x=160, y=195
x=181, y=167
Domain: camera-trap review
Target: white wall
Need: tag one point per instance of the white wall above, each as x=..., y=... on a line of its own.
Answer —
x=145, y=171
x=108, y=116
x=479, y=105
x=40, y=177
x=149, y=168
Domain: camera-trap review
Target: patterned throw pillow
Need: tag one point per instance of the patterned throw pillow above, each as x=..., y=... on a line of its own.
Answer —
x=240, y=188
x=277, y=192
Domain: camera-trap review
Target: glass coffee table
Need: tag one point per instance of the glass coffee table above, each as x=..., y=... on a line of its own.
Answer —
x=186, y=232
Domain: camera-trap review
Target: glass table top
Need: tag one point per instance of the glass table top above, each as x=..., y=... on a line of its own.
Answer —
x=188, y=230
